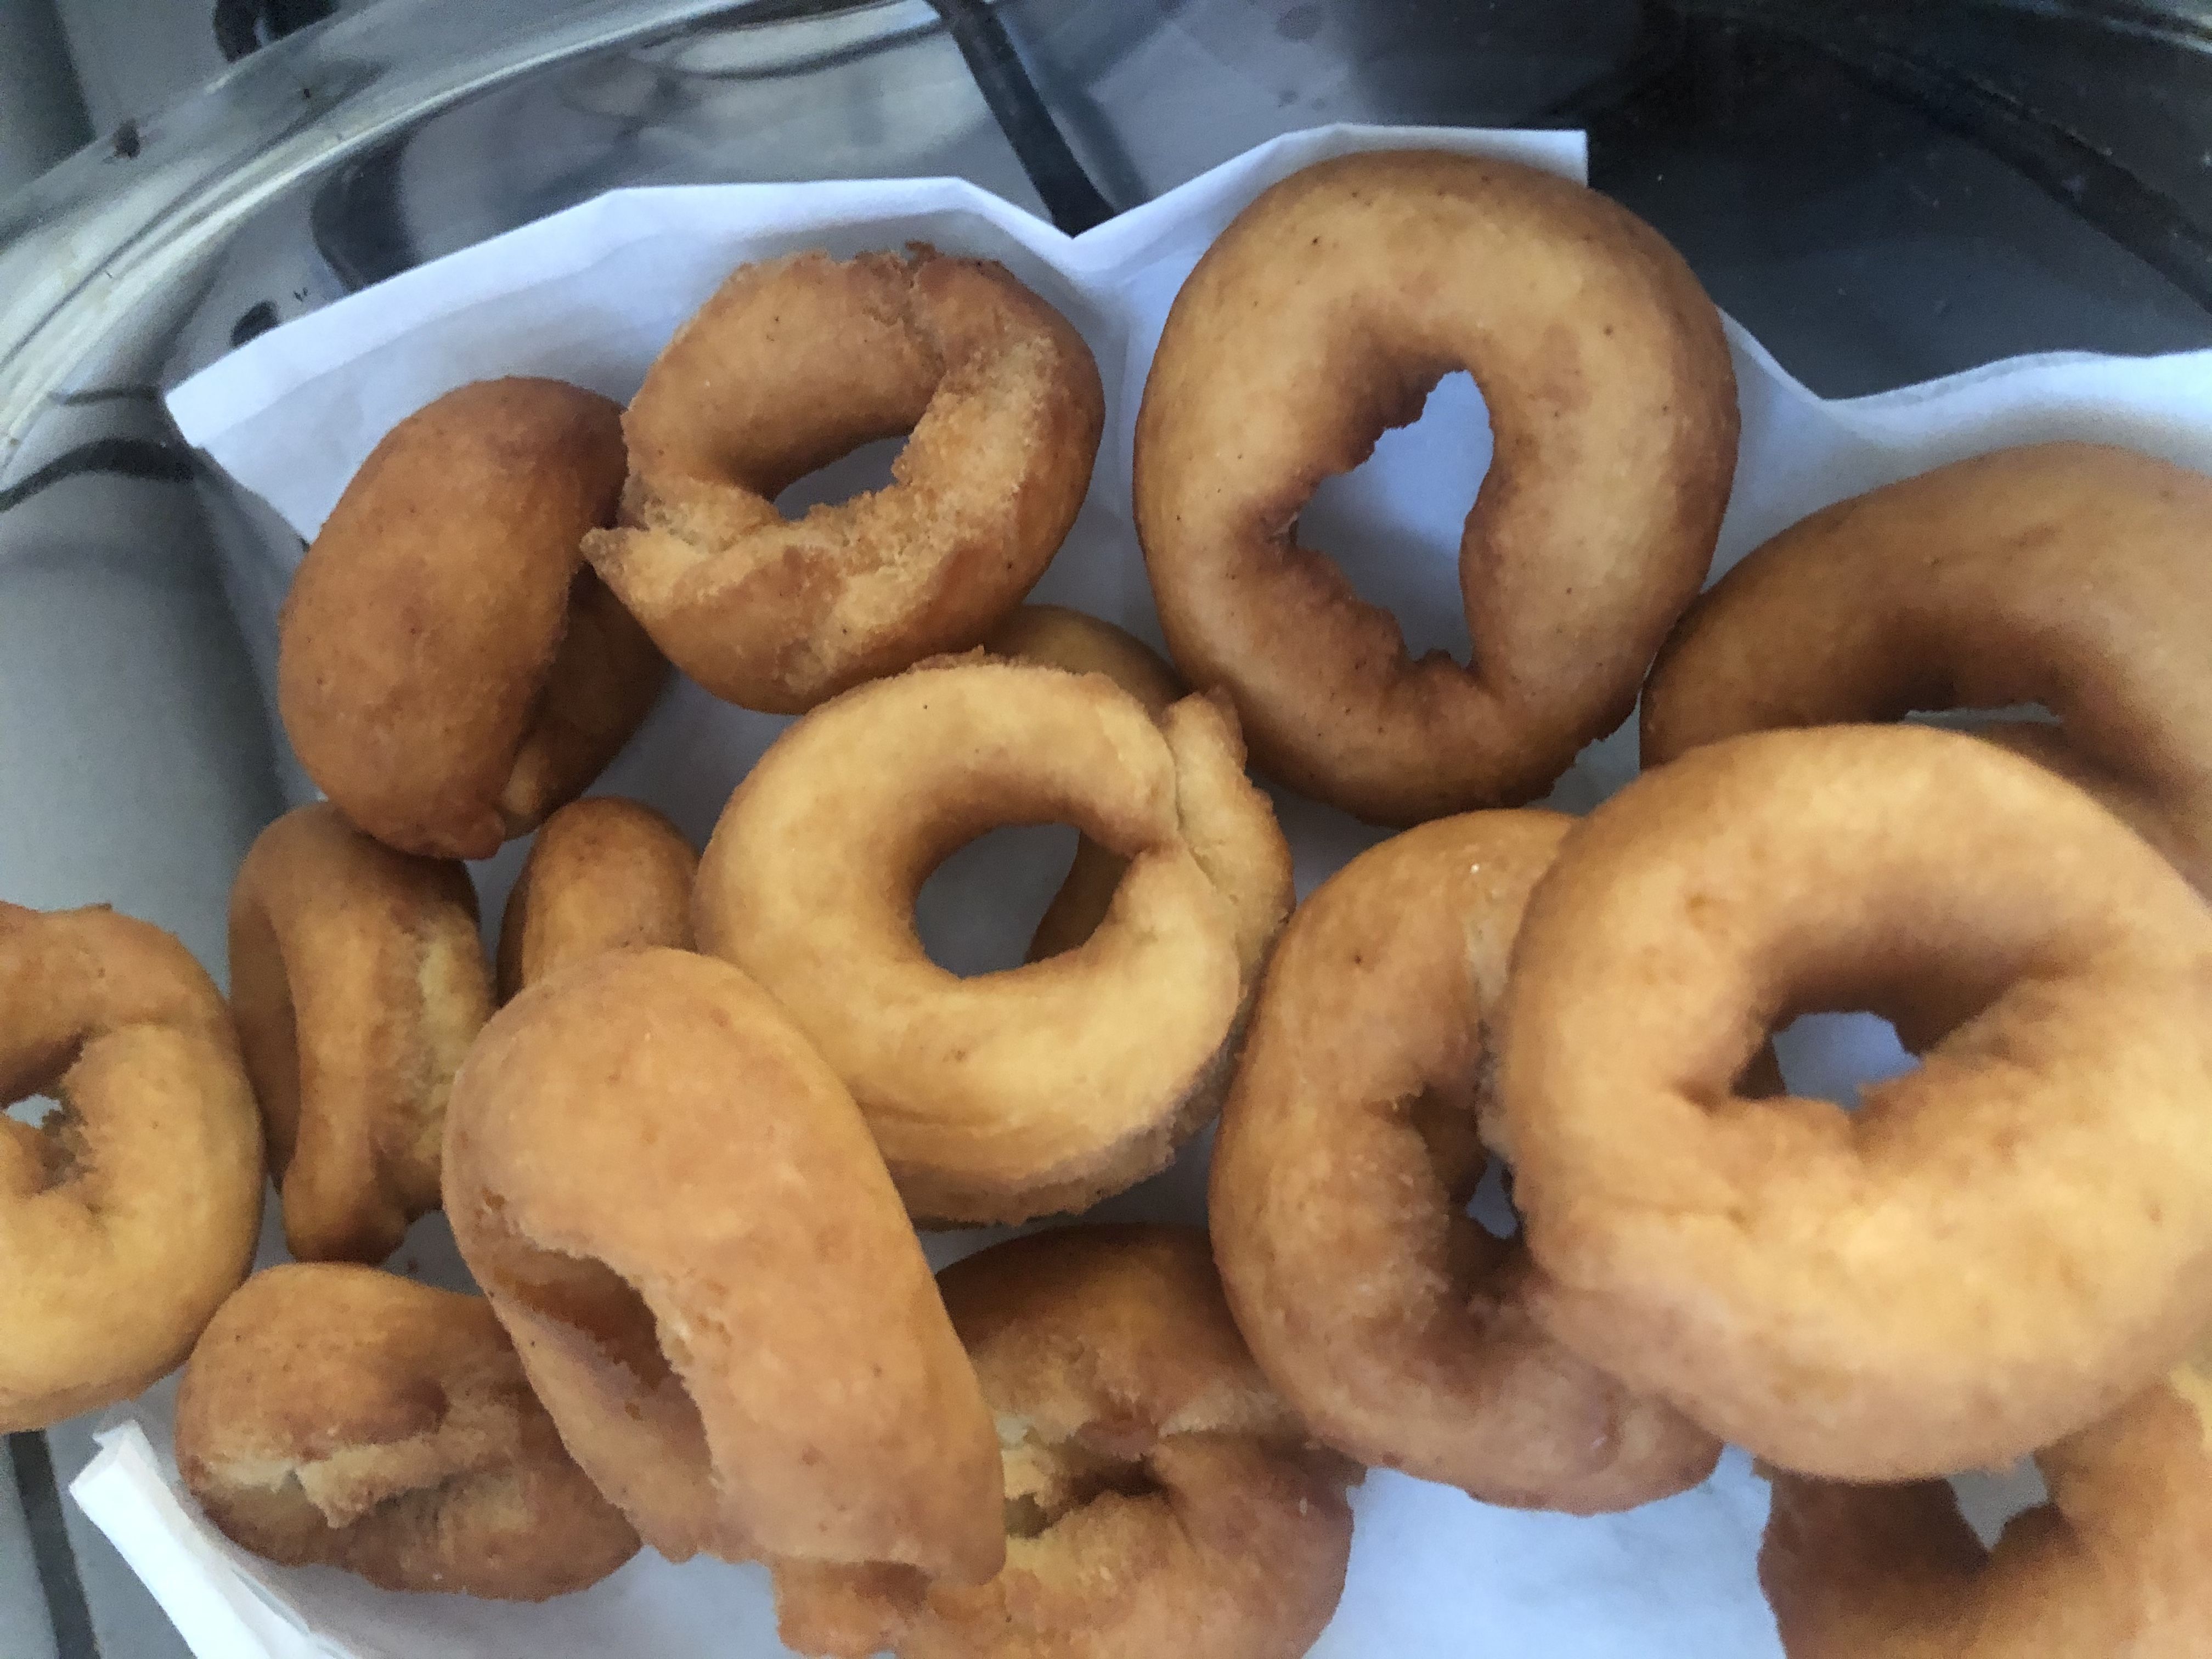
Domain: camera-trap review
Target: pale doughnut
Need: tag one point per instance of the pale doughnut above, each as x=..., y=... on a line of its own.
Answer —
x=1993, y=1249
x=1048, y=1086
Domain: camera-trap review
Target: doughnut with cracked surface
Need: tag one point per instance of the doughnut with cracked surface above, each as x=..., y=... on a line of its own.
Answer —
x=132, y=1211
x=1160, y=1498
x=793, y=362
x=342, y=1415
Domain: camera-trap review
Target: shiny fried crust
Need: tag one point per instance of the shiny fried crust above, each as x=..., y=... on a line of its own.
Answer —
x=2071, y=575
x=130, y=1213
x=342, y=1415
x=1323, y=316
x=604, y=874
x=1044, y=1088
x=357, y=980
x=794, y=362
x=1061, y=638
x=1389, y=1319
x=448, y=671
x=1993, y=1249
x=1160, y=1498
x=678, y=1216
x=2112, y=1567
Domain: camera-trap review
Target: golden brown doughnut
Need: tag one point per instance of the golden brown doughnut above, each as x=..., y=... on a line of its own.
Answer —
x=1390, y=1319
x=604, y=874
x=346, y=1416
x=130, y=1213
x=793, y=362
x=358, y=981
x=2112, y=1567
x=2067, y=574
x=1996, y=1247
x=1159, y=1497
x=1061, y=638
x=1046, y=1087
x=680, y=1217
x=448, y=670
x=1323, y=316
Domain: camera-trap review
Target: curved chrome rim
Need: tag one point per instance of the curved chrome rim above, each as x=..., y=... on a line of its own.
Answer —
x=127, y=223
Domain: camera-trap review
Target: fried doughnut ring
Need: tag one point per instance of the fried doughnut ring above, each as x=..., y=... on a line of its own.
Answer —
x=345, y=1416
x=793, y=362
x=1159, y=1497
x=1061, y=638
x=132, y=1211
x=679, y=1217
x=448, y=669
x=604, y=874
x=1993, y=1249
x=358, y=981
x=1389, y=1319
x=2067, y=574
x=1046, y=1087
x=2112, y=1567
x=1323, y=316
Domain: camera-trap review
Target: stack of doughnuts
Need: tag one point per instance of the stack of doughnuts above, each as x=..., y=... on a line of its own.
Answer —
x=1509, y=1192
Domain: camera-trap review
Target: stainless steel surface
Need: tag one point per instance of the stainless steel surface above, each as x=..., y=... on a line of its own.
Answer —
x=1881, y=190
x=42, y=116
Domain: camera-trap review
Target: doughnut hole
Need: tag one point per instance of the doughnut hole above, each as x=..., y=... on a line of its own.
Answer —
x=1492, y=1206
x=977, y=910
x=45, y=1127
x=33, y=1110
x=860, y=471
x=1392, y=523
x=1471, y=1184
x=1046, y=1481
x=1988, y=1498
x=1977, y=721
x=1833, y=1056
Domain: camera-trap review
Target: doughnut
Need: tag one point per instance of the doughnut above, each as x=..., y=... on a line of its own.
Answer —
x=2067, y=574
x=1323, y=316
x=344, y=1416
x=1160, y=1498
x=448, y=671
x=1061, y=638
x=2111, y=1567
x=677, y=1214
x=357, y=982
x=1992, y=1250
x=1048, y=1086
x=793, y=362
x=604, y=874
x=132, y=1211
x=1388, y=1318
